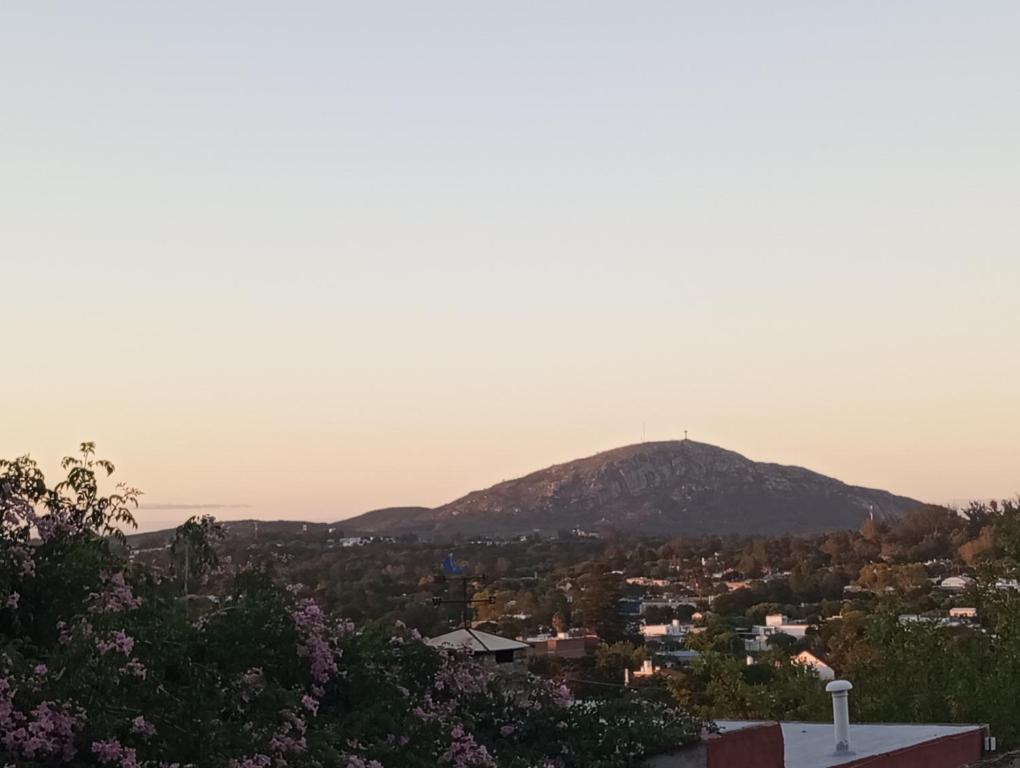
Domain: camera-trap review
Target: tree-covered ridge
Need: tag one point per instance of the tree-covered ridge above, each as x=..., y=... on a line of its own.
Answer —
x=108, y=662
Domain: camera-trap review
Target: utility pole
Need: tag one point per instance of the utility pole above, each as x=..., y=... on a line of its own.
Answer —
x=465, y=602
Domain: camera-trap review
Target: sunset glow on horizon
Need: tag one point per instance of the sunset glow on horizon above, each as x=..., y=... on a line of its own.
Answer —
x=304, y=262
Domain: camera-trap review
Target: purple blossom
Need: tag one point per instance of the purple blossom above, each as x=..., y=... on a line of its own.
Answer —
x=315, y=645
x=290, y=736
x=135, y=668
x=465, y=752
x=256, y=761
x=311, y=704
x=47, y=731
x=116, y=596
x=142, y=726
x=112, y=752
x=359, y=762
x=121, y=642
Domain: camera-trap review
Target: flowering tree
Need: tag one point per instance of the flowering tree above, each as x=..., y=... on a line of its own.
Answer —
x=102, y=665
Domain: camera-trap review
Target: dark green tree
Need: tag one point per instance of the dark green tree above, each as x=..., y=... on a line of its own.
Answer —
x=193, y=549
x=598, y=607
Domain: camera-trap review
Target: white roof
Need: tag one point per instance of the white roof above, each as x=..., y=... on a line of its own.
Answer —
x=810, y=745
x=954, y=580
x=476, y=641
x=807, y=657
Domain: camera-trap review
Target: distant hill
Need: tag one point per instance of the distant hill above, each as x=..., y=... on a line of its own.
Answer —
x=272, y=531
x=661, y=488
x=244, y=530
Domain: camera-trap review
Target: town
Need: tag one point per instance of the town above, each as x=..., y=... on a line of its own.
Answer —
x=727, y=627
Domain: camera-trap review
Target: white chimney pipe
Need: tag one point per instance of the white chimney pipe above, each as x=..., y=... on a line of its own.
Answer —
x=840, y=690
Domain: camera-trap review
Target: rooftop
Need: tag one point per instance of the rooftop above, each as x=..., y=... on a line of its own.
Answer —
x=810, y=745
x=477, y=641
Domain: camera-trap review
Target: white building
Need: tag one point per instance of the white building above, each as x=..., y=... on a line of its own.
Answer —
x=647, y=670
x=956, y=583
x=644, y=581
x=353, y=541
x=672, y=631
x=775, y=624
x=820, y=668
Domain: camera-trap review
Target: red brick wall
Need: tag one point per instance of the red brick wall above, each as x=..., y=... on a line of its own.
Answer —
x=948, y=752
x=760, y=746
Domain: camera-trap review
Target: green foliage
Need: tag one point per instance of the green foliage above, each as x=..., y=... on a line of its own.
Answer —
x=723, y=686
x=920, y=672
x=193, y=550
x=612, y=659
x=599, y=605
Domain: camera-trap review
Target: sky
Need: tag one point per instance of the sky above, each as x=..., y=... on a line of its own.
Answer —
x=314, y=258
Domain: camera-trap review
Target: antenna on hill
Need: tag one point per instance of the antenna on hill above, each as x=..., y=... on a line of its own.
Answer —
x=685, y=434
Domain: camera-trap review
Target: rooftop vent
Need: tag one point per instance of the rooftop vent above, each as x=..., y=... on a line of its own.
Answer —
x=840, y=690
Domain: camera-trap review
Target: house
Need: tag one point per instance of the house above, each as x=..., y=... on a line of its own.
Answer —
x=661, y=661
x=939, y=621
x=733, y=586
x=808, y=659
x=681, y=657
x=672, y=603
x=354, y=541
x=563, y=645
x=963, y=613
x=956, y=583
x=645, y=581
x=489, y=648
x=628, y=606
x=911, y=618
x=647, y=670
x=672, y=631
x=775, y=624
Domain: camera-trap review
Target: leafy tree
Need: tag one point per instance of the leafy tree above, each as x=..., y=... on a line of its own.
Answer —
x=612, y=659
x=194, y=549
x=598, y=607
x=782, y=641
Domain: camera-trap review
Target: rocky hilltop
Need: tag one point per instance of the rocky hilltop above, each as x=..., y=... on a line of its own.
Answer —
x=662, y=488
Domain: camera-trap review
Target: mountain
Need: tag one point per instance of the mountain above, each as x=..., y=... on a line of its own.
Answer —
x=661, y=488
x=384, y=519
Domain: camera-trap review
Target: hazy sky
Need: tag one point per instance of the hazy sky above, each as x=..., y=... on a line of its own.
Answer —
x=321, y=257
